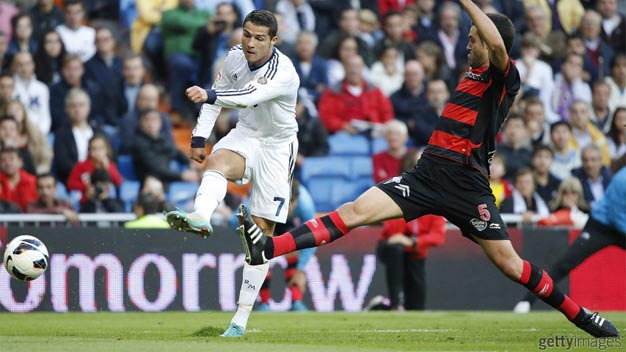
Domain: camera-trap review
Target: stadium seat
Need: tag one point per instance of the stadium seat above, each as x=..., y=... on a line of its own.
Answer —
x=346, y=144
x=51, y=139
x=180, y=193
x=361, y=167
x=61, y=191
x=327, y=166
x=346, y=191
x=75, y=197
x=178, y=166
x=321, y=192
x=379, y=145
x=129, y=190
x=126, y=168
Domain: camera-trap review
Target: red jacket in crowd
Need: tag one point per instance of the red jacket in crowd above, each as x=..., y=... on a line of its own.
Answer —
x=430, y=230
x=385, y=166
x=80, y=176
x=24, y=192
x=338, y=107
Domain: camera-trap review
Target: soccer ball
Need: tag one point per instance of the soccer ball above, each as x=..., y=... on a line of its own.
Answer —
x=26, y=258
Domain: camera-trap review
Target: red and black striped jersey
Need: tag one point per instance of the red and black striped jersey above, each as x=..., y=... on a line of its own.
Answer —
x=467, y=129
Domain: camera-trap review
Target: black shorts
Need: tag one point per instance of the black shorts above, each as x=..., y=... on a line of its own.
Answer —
x=455, y=191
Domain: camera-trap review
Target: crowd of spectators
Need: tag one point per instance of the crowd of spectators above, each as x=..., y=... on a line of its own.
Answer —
x=85, y=82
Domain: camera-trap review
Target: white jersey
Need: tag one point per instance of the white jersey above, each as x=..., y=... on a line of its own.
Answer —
x=266, y=96
x=81, y=42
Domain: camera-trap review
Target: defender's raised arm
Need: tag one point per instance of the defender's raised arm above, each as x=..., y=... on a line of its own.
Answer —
x=498, y=52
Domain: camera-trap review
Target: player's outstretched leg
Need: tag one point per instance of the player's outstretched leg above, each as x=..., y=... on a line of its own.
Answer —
x=316, y=232
x=211, y=192
x=540, y=283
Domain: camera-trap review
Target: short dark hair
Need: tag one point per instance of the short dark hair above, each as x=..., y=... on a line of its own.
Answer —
x=100, y=175
x=7, y=74
x=521, y=172
x=505, y=28
x=616, y=59
x=68, y=3
x=560, y=123
x=46, y=175
x=542, y=147
x=149, y=202
x=263, y=18
x=13, y=150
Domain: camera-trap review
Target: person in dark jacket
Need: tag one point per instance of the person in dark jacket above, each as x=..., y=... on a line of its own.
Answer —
x=71, y=141
x=73, y=76
x=152, y=153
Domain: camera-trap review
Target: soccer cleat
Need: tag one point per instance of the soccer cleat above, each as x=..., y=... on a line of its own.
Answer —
x=597, y=326
x=189, y=222
x=233, y=330
x=263, y=307
x=298, y=306
x=252, y=237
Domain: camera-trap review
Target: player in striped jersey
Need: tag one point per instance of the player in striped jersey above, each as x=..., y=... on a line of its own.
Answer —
x=262, y=82
x=451, y=179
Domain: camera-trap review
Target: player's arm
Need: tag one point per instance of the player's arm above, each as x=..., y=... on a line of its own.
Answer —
x=489, y=34
x=208, y=114
x=253, y=93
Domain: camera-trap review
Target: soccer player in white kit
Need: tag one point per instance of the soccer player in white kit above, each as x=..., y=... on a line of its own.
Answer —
x=262, y=82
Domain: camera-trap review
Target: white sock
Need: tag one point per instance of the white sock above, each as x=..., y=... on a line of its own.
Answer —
x=211, y=192
x=253, y=277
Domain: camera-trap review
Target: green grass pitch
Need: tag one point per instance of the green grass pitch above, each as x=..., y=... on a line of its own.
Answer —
x=299, y=332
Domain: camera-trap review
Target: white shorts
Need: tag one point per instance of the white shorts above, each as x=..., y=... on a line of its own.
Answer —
x=270, y=169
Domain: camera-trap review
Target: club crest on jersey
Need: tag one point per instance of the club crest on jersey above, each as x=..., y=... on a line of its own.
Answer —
x=478, y=224
x=235, y=77
x=262, y=80
x=396, y=179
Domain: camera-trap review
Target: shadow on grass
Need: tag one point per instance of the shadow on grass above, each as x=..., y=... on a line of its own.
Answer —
x=207, y=331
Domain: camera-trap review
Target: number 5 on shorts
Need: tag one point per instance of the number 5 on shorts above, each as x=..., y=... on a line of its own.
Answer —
x=281, y=201
x=484, y=213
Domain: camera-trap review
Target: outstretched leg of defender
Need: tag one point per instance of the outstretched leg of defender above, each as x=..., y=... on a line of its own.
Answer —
x=503, y=255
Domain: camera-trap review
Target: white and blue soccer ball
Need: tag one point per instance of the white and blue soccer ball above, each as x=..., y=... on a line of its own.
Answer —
x=26, y=258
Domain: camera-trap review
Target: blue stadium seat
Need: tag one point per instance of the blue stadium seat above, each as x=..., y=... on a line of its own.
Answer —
x=379, y=145
x=345, y=144
x=75, y=197
x=347, y=191
x=326, y=166
x=361, y=167
x=178, y=166
x=62, y=191
x=180, y=193
x=126, y=168
x=129, y=190
x=321, y=191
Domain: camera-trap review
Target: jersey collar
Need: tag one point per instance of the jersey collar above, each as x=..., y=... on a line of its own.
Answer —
x=252, y=68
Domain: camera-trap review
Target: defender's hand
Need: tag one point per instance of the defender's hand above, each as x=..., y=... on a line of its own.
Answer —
x=197, y=94
x=197, y=154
